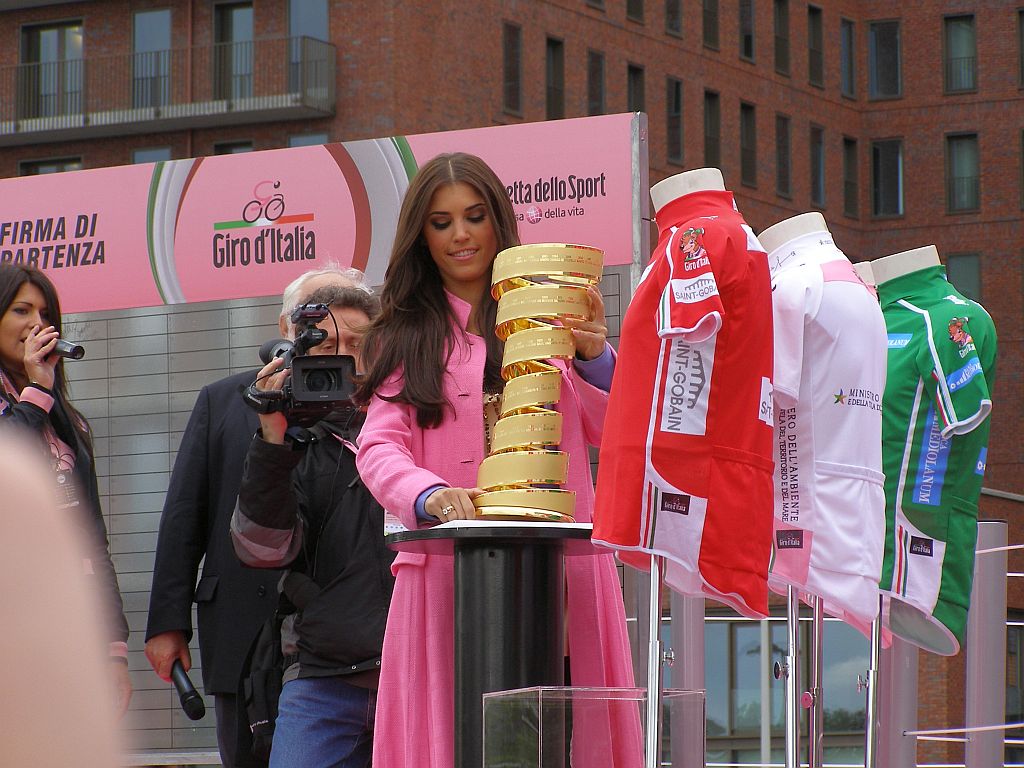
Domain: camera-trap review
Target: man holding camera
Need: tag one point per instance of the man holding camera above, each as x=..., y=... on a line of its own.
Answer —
x=233, y=601
x=302, y=505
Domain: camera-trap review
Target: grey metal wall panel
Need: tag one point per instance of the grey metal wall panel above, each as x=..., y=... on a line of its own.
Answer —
x=137, y=386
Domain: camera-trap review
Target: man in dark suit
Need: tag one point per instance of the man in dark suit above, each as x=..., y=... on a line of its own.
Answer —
x=232, y=600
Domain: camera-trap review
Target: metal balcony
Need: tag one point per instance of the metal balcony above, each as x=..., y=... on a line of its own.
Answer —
x=255, y=81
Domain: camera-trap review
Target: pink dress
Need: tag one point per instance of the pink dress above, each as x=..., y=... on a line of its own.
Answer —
x=398, y=460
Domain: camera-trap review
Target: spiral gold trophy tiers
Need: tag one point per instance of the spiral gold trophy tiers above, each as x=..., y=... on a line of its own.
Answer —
x=536, y=287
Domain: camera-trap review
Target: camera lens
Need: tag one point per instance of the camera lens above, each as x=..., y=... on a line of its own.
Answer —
x=321, y=380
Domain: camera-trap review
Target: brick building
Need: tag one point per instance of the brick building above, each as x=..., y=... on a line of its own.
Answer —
x=902, y=123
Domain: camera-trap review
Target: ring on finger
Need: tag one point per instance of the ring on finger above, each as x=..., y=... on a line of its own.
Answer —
x=448, y=510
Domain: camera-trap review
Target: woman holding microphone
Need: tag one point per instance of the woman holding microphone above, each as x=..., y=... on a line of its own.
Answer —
x=34, y=402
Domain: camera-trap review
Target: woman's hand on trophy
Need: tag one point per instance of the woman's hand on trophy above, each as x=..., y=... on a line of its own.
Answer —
x=452, y=503
x=590, y=335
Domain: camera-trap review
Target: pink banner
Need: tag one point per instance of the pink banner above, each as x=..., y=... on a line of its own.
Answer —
x=244, y=225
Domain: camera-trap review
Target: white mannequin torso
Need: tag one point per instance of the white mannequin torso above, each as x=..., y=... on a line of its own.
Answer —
x=684, y=183
x=779, y=234
x=904, y=262
x=864, y=272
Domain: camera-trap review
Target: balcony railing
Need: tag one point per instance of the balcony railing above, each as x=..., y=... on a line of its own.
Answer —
x=223, y=84
x=961, y=73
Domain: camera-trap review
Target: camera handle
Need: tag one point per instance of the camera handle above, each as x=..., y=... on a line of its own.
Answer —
x=263, y=400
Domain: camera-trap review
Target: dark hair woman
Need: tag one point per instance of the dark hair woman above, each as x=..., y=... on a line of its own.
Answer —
x=433, y=384
x=34, y=401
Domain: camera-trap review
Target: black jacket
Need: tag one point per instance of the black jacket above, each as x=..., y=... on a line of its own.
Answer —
x=325, y=524
x=232, y=600
x=30, y=420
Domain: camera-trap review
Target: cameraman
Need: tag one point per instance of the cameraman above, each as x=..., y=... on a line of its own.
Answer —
x=301, y=504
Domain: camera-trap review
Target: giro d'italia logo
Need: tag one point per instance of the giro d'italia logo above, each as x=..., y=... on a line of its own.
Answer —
x=534, y=214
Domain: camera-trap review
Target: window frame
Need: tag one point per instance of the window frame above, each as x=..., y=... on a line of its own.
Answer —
x=512, y=81
x=787, y=121
x=635, y=75
x=974, y=257
x=743, y=36
x=674, y=10
x=711, y=23
x=973, y=87
x=848, y=58
x=817, y=179
x=949, y=138
x=554, y=78
x=595, y=56
x=873, y=95
x=715, y=98
x=633, y=12
x=674, y=89
x=816, y=57
x=748, y=144
x=39, y=162
x=875, y=214
x=782, y=41
x=851, y=175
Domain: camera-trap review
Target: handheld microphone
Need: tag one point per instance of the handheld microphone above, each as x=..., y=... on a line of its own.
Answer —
x=69, y=349
x=191, y=701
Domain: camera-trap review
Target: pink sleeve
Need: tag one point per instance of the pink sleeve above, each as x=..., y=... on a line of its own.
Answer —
x=386, y=461
x=593, y=403
x=37, y=397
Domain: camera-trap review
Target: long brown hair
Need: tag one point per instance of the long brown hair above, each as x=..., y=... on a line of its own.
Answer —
x=12, y=277
x=417, y=326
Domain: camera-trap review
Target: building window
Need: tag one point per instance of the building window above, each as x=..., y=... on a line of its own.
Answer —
x=887, y=177
x=57, y=165
x=1020, y=46
x=635, y=10
x=963, y=270
x=748, y=145
x=599, y=4
x=847, y=72
x=151, y=58
x=780, y=11
x=962, y=179
x=308, y=140
x=50, y=78
x=307, y=20
x=512, y=42
x=712, y=130
x=634, y=88
x=851, y=188
x=884, y=76
x=711, y=24
x=817, y=145
x=674, y=120
x=815, y=47
x=595, y=83
x=232, y=52
x=674, y=17
x=555, y=79
x=747, y=30
x=961, y=54
x=783, y=178
x=151, y=155
x=232, y=147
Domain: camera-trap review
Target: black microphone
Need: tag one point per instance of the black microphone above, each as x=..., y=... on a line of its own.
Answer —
x=191, y=701
x=274, y=348
x=66, y=348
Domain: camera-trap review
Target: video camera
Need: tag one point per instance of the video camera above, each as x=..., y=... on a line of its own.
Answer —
x=318, y=384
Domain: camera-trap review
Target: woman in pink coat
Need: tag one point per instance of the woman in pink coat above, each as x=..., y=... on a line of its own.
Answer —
x=433, y=371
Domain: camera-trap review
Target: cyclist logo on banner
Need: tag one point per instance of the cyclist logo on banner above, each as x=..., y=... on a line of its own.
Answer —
x=265, y=208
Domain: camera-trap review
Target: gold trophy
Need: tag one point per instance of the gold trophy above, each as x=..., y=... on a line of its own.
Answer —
x=536, y=286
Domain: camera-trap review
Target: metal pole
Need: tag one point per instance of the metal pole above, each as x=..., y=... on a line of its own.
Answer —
x=985, y=645
x=793, y=678
x=687, y=673
x=896, y=714
x=766, y=693
x=813, y=699
x=653, y=749
x=871, y=727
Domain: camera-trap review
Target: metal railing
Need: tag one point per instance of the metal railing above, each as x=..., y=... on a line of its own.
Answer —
x=202, y=85
x=961, y=73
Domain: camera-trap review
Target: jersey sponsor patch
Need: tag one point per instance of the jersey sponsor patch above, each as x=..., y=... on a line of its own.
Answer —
x=788, y=539
x=765, y=411
x=979, y=465
x=899, y=340
x=694, y=289
x=675, y=502
x=931, y=463
x=684, y=408
x=919, y=545
x=960, y=377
